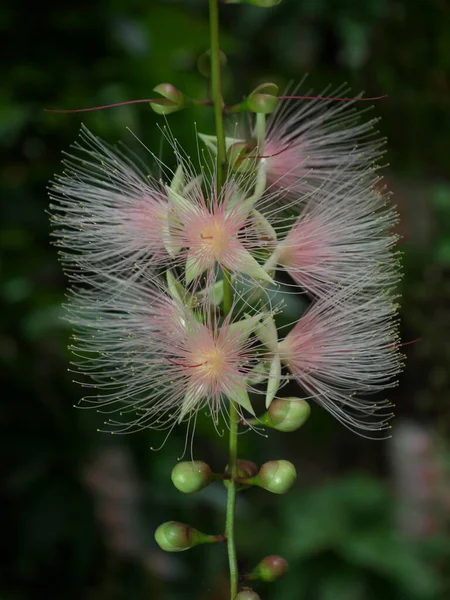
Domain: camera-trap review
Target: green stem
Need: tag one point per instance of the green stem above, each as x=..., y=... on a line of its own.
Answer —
x=231, y=501
x=216, y=88
x=227, y=291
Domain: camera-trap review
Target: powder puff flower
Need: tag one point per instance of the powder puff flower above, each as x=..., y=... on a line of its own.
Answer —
x=157, y=362
x=216, y=231
x=308, y=140
x=107, y=215
x=340, y=351
x=341, y=237
x=112, y=219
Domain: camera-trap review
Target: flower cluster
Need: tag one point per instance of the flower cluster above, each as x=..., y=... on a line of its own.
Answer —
x=302, y=211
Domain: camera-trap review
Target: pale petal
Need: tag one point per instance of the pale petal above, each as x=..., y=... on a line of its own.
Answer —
x=191, y=400
x=244, y=327
x=178, y=201
x=257, y=375
x=263, y=226
x=178, y=180
x=273, y=382
x=267, y=333
x=211, y=141
x=177, y=291
x=194, y=267
x=240, y=260
x=240, y=396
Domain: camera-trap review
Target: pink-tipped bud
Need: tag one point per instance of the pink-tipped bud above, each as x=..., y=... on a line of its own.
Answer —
x=270, y=568
x=204, y=62
x=173, y=536
x=247, y=594
x=171, y=101
x=263, y=99
x=191, y=476
x=276, y=476
x=286, y=414
x=246, y=469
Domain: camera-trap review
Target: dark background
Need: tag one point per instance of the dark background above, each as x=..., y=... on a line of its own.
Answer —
x=366, y=520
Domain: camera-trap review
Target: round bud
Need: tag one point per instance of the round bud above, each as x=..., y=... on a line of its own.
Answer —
x=276, y=476
x=247, y=594
x=191, y=476
x=263, y=99
x=171, y=101
x=175, y=537
x=270, y=568
x=287, y=414
x=246, y=469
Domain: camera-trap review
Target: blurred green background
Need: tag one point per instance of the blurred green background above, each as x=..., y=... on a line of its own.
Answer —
x=366, y=520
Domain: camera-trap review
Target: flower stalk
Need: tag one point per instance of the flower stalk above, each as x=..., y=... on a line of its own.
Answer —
x=216, y=86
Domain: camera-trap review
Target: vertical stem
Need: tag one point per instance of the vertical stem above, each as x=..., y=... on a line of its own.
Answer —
x=216, y=89
x=231, y=501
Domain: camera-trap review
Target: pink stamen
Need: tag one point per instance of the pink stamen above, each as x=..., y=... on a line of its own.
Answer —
x=330, y=98
x=405, y=343
x=392, y=345
x=77, y=110
x=180, y=364
x=269, y=155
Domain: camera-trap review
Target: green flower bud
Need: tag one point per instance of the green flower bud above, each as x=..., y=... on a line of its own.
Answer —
x=276, y=476
x=171, y=101
x=204, y=62
x=247, y=594
x=270, y=568
x=177, y=537
x=263, y=99
x=286, y=414
x=246, y=469
x=191, y=476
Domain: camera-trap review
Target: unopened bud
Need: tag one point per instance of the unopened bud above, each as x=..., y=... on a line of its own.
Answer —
x=286, y=414
x=204, y=62
x=171, y=101
x=173, y=536
x=191, y=476
x=270, y=568
x=263, y=99
x=247, y=594
x=276, y=476
x=246, y=469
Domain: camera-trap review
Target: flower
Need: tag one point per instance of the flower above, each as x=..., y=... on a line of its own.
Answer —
x=342, y=235
x=110, y=219
x=149, y=259
x=108, y=216
x=216, y=231
x=307, y=141
x=342, y=350
x=157, y=362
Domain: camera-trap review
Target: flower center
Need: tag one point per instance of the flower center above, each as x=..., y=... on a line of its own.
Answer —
x=215, y=239
x=213, y=362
